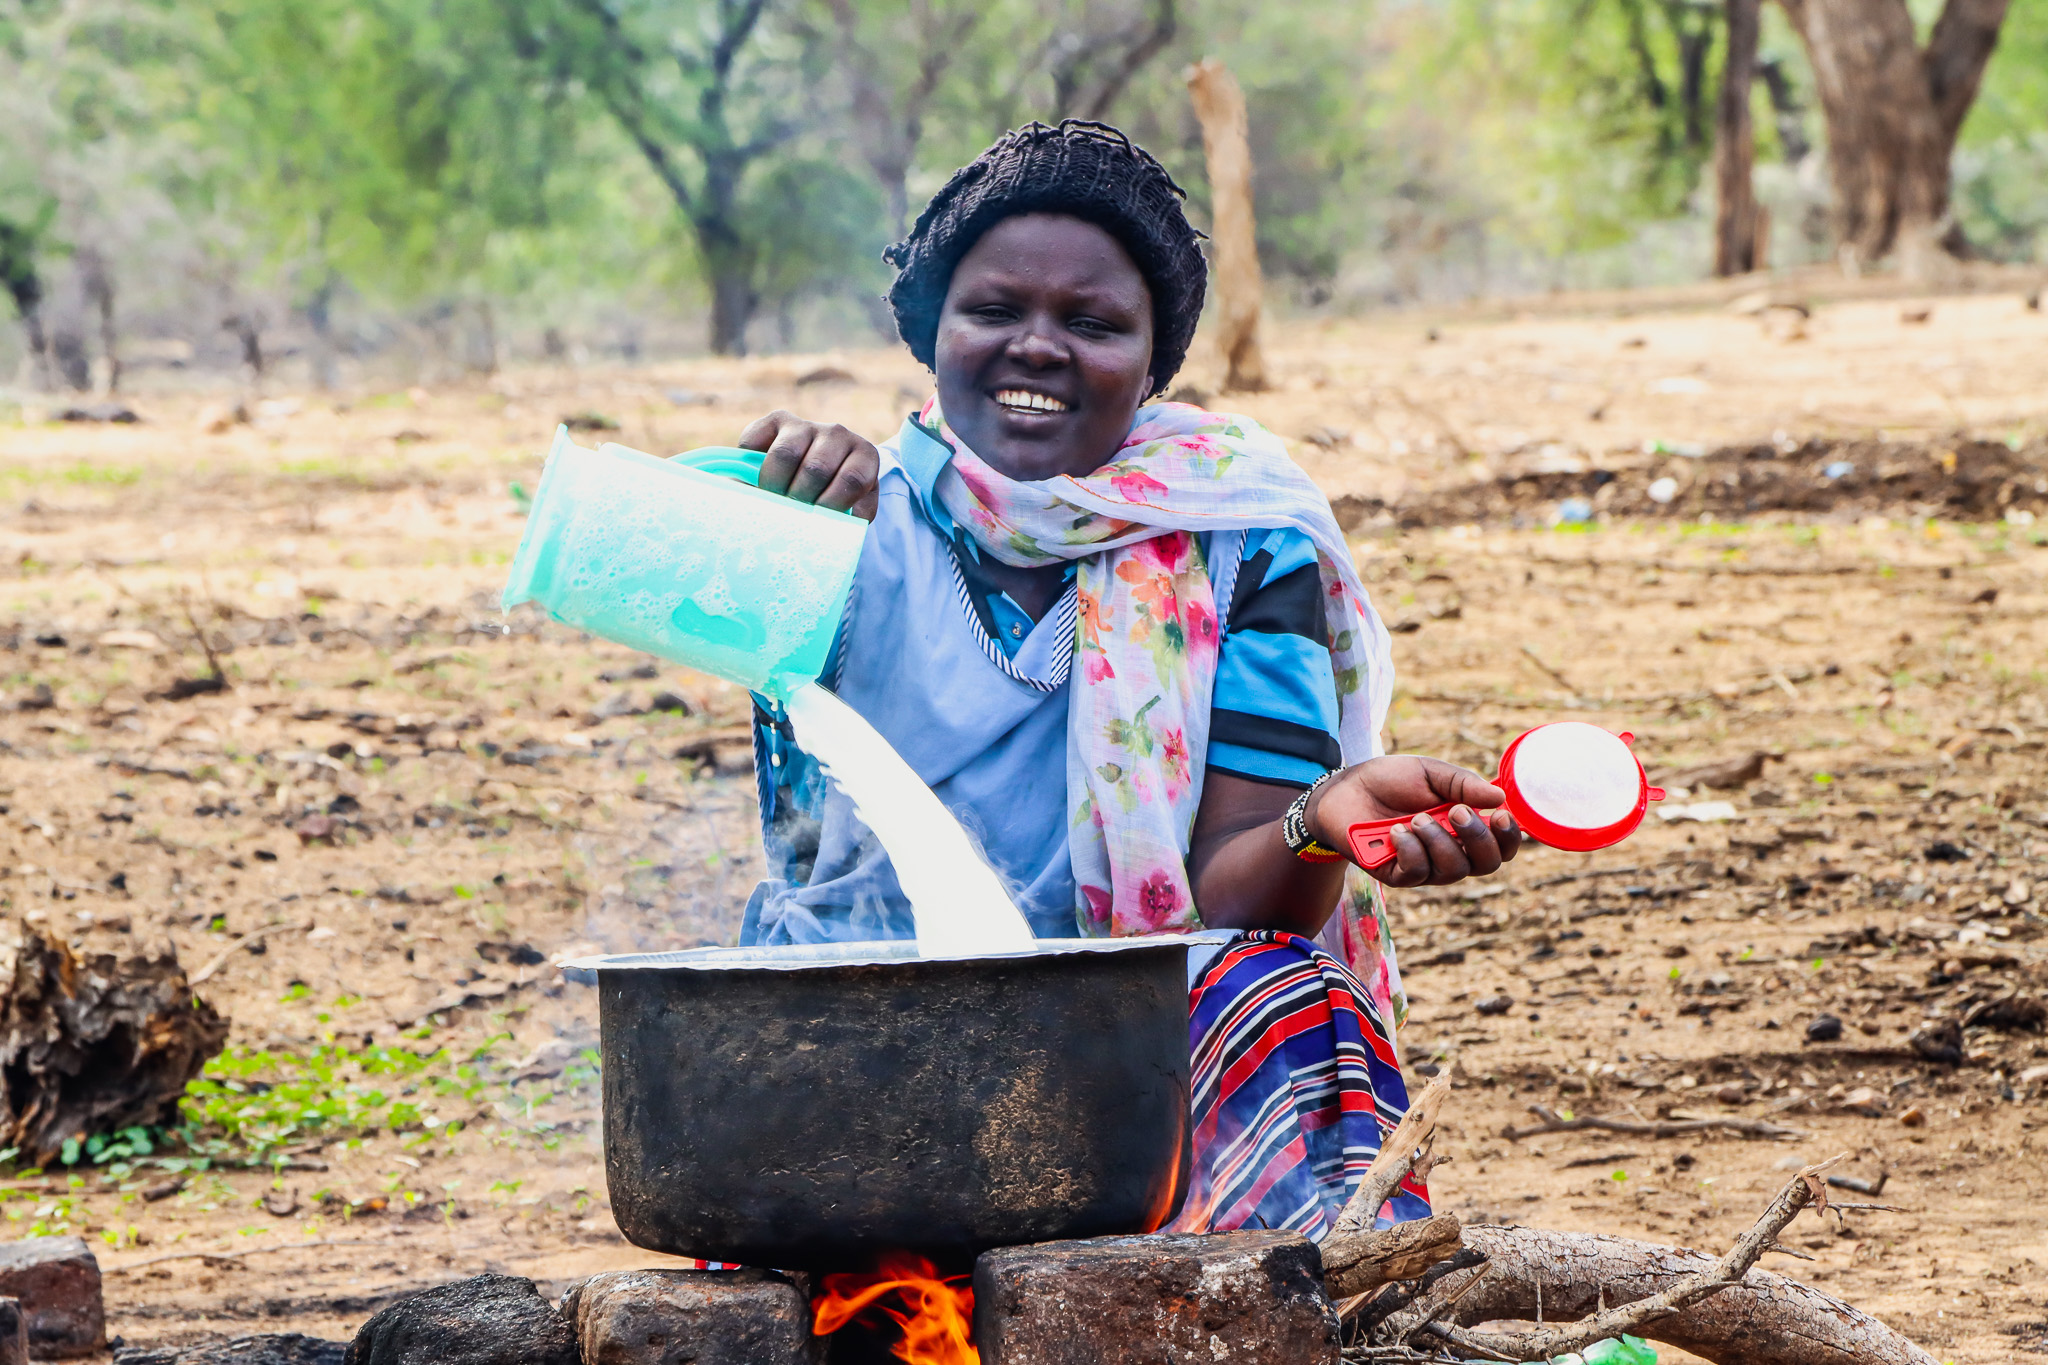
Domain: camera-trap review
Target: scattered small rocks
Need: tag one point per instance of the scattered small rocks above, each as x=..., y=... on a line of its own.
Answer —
x=1495, y=1004
x=1824, y=1029
x=1940, y=1040
x=119, y=413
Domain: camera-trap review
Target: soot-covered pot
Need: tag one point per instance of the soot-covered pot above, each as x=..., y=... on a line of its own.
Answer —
x=807, y=1108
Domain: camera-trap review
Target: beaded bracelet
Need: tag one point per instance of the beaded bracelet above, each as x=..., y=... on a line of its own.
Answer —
x=1294, y=827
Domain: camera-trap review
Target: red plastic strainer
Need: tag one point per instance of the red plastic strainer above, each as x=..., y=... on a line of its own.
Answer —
x=1569, y=785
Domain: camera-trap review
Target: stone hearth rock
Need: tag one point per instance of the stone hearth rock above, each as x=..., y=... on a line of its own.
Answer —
x=13, y=1333
x=489, y=1320
x=1249, y=1298
x=58, y=1283
x=691, y=1317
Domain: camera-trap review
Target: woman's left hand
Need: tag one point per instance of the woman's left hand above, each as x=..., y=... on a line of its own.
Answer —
x=1386, y=788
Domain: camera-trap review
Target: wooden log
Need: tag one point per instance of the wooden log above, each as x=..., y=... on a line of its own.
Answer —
x=1764, y=1320
x=94, y=1044
x=1360, y=1262
x=1233, y=245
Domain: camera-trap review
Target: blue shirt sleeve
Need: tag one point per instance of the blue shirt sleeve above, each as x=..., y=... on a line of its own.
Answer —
x=1273, y=715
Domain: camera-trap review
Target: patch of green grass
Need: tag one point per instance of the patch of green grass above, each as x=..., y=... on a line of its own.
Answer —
x=256, y=1101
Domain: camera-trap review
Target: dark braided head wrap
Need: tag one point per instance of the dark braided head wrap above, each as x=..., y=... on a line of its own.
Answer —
x=1085, y=169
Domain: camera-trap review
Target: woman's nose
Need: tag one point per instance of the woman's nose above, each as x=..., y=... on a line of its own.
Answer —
x=1038, y=347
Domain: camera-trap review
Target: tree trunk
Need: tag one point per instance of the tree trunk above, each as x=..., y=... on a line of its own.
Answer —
x=320, y=317
x=38, y=345
x=1765, y=1320
x=729, y=265
x=24, y=285
x=1735, y=216
x=247, y=330
x=1219, y=105
x=98, y=283
x=1892, y=115
x=1786, y=111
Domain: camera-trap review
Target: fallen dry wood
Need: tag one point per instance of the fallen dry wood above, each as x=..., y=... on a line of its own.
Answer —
x=219, y=959
x=1552, y=1122
x=1356, y=1256
x=1363, y=1261
x=95, y=1044
x=1546, y=1343
x=238, y=1255
x=1764, y=1320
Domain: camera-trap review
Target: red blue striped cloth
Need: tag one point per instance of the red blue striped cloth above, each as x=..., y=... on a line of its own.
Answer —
x=1296, y=1084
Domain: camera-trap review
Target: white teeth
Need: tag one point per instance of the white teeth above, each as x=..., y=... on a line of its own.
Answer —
x=1029, y=402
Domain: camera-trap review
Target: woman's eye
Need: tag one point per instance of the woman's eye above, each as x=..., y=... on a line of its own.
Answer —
x=1093, y=327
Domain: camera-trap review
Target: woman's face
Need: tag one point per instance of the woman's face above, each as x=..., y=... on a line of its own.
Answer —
x=1045, y=346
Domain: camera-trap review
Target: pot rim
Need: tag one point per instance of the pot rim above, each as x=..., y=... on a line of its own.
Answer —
x=872, y=953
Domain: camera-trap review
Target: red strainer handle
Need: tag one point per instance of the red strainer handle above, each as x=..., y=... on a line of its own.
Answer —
x=1372, y=841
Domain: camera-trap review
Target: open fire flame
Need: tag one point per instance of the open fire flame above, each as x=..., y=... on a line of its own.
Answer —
x=935, y=1313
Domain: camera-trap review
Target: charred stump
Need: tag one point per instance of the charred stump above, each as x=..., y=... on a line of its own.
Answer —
x=95, y=1044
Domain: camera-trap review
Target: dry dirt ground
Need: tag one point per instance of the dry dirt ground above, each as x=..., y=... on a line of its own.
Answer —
x=404, y=807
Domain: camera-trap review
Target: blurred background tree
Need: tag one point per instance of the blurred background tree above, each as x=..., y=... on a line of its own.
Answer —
x=437, y=185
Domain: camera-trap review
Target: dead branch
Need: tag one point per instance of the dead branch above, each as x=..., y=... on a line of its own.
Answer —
x=238, y=1255
x=1546, y=1343
x=1358, y=1258
x=1552, y=1122
x=1397, y=1156
x=1560, y=679
x=219, y=959
x=205, y=645
x=1365, y=1312
x=1764, y=1320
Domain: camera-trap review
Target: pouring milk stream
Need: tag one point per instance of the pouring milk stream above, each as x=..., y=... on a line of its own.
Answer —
x=685, y=560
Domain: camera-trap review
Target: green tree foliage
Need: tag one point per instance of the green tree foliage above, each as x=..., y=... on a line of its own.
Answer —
x=505, y=165
x=2001, y=195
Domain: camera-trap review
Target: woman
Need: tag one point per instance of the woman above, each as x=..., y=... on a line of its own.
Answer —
x=1124, y=641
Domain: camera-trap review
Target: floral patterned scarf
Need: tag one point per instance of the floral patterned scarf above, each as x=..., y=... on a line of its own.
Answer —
x=1146, y=643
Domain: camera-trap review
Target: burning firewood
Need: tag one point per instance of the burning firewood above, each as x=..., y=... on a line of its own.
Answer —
x=1414, y=1290
x=94, y=1045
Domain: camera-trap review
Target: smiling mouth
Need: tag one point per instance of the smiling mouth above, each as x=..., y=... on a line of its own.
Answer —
x=1019, y=400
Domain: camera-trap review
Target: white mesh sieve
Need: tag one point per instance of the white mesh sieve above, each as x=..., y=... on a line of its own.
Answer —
x=1576, y=775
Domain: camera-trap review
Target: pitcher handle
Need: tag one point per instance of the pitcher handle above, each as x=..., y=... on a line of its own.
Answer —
x=727, y=462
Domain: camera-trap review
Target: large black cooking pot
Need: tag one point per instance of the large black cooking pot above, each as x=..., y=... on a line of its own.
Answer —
x=809, y=1107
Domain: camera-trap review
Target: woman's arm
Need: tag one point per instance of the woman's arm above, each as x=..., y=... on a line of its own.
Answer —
x=1245, y=877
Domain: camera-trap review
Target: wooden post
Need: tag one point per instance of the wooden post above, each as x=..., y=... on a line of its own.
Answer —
x=1219, y=104
x=1735, y=218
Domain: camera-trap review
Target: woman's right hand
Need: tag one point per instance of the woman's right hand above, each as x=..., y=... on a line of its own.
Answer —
x=816, y=462
x=1394, y=786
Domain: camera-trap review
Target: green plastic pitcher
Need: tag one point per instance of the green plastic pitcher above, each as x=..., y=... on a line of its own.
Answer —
x=687, y=560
